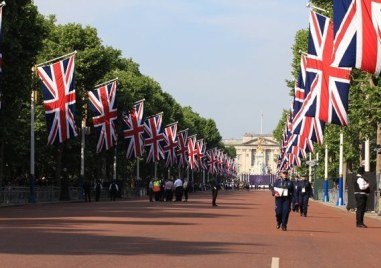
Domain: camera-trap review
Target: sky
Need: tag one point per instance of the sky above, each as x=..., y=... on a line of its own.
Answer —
x=227, y=59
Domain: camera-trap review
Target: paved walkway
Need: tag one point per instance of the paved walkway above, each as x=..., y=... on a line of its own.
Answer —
x=240, y=232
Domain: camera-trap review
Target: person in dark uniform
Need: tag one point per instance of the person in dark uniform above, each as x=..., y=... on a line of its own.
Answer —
x=283, y=190
x=295, y=199
x=303, y=193
x=362, y=191
x=87, y=191
x=98, y=188
x=215, y=185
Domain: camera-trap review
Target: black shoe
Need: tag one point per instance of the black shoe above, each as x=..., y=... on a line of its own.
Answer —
x=360, y=226
x=284, y=228
x=214, y=205
x=278, y=225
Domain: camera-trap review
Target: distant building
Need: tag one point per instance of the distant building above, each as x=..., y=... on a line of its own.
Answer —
x=256, y=154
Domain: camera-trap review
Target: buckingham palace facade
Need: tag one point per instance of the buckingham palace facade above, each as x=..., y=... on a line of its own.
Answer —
x=256, y=154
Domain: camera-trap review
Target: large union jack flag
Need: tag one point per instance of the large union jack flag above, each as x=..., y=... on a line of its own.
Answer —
x=327, y=98
x=154, y=138
x=57, y=83
x=182, y=147
x=133, y=130
x=357, y=25
x=104, y=108
x=170, y=134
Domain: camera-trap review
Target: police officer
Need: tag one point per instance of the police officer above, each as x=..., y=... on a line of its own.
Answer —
x=215, y=185
x=283, y=190
x=362, y=191
x=304, y=192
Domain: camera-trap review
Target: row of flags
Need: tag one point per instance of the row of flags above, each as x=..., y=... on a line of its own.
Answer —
x=351, y=40
x=140, y=135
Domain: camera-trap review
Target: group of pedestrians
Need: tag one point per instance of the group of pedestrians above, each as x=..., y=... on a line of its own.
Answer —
x=290, y=195
x=113, y=189
x=167, y=190
x=294, y=196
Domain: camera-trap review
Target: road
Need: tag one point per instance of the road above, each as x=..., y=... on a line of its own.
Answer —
x=239, y=233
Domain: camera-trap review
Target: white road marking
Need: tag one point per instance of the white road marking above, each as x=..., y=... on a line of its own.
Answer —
x=275, y=262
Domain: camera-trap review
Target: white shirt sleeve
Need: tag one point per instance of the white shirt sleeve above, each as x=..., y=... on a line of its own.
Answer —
x=362, y=184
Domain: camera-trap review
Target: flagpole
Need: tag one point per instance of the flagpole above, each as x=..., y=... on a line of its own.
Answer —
x=83, y=141
x=107, y=82
x=32, y=197
x=115, y=153
x=326, y=196
x=56, y=59
x=340, y=201
x=309, y=4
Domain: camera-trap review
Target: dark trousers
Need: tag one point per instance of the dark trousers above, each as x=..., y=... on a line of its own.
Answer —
x=150, y=194
x=179, y=193
x=97, y=195
x=214, y=196
x=361, y=207
x=87, y=196
x=186, y=194
x=282, y=209
x=168, y=195
x=303, y=203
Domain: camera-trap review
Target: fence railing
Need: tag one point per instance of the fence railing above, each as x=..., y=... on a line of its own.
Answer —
x=16, y=195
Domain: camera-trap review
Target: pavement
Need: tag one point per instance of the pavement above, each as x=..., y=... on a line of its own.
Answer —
x=240, y=232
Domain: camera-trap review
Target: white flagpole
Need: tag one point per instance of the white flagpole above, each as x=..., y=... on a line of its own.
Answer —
x=326, y=196
x=107, y=82
x=32, y=198
x=56, y=59
x=340, y=201
x=367, y=155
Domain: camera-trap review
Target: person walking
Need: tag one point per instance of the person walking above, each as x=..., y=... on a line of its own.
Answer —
x=362, y=191
x=178, y=184
x=156, y=189
x=215, y=186
x=303, y=194
x=295, y=198
x=150, y=189
x=186, y=190
x=169, y=190
x=113, y=189
x=87, y=190
x=283, y=190
x=98, y=189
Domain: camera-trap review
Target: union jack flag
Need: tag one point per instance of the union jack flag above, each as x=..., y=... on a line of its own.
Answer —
x=182, y=147
x=212, y=161
x=357, y=26
x=133, y=130
x=300, y=86
x=170, y=133
x=104, y=108
x=192, y=152
x=309, y=127
x=57, y=83
x=328, y=97
x=154, y=138
x=200, y=152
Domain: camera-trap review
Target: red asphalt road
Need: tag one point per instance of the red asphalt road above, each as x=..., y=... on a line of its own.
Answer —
x=240, y=232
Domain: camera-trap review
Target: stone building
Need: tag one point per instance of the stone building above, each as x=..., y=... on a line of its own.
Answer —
x=256, y=154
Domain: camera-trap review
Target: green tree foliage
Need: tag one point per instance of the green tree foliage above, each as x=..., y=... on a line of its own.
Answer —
x=23, y=30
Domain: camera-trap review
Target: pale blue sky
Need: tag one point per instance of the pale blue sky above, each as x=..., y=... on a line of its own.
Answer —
x=228, y=59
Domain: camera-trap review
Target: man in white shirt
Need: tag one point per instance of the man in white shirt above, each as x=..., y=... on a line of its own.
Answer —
x=361, y=195
x=178, y=184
